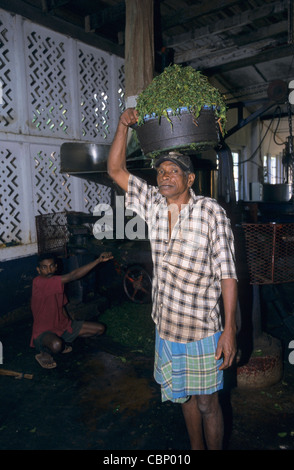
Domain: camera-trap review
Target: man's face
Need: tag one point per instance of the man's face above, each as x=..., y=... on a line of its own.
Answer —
x=47, y=268
x=172, y=182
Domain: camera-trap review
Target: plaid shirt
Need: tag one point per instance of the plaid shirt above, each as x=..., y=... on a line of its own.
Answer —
x=188, y=266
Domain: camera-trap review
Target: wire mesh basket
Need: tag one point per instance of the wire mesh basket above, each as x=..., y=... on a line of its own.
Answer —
x=270, y=252
x=52, y=233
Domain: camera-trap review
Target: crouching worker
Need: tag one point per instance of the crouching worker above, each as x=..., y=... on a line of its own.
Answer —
x=53, y=329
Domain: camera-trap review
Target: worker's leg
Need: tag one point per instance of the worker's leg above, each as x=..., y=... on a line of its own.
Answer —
x=193, y=420
x=204, y=410
x=91, y=329
x=83, y=329
x=213, y=424
x=48, y=343
x=52, y=343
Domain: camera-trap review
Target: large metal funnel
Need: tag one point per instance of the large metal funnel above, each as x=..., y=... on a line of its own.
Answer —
x=89, y=161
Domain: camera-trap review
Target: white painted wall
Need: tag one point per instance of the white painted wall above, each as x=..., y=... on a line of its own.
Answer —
x=54, y=89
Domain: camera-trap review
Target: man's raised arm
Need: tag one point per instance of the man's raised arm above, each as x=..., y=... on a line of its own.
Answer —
x=83, y=270
x=116, y=163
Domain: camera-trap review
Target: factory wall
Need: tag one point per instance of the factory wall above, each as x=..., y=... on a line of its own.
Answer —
x=54, y=89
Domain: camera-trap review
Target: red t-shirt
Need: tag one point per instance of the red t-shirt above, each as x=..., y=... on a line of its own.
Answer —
x=48, y=299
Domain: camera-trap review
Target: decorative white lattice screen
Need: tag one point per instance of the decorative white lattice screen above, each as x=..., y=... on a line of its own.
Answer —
x=94, y=192
x=94, y=88
x=8, y=80
x=48, y=67
x=54, y=89
x=10, y=200
x=52, y=190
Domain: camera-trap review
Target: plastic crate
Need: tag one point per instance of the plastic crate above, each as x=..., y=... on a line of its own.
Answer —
x=52, y=233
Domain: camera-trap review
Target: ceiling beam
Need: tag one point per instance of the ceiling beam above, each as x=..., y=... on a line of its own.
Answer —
x=237, y=21
x=34, y=14
x=262, y=33
x=49, y=5
x=215, y=53
x=265, y=56
x=107, y=17
x=182, y=16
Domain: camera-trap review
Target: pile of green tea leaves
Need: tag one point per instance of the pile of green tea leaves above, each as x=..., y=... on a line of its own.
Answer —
x=130, y=324
x=177, y=87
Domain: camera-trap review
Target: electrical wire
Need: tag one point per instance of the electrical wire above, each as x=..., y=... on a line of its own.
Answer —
x=259, y=146
x=277, y=110
x=278, y=123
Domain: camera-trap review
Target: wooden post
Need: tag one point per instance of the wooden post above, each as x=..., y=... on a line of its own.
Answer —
x=139, y=47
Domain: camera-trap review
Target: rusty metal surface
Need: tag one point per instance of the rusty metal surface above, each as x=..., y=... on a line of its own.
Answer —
x=270, y=252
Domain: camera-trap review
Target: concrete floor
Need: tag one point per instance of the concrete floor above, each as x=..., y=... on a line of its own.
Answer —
x=102, y=396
